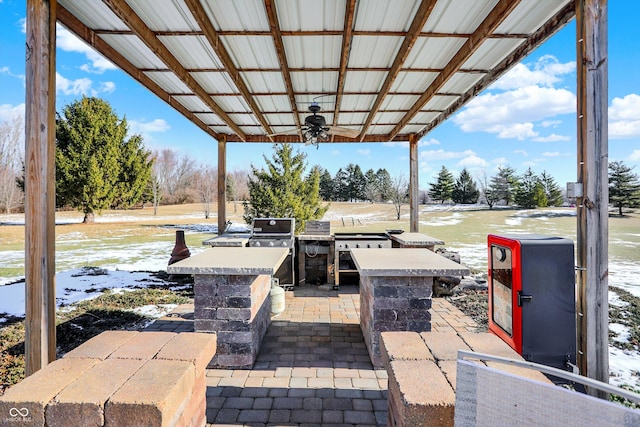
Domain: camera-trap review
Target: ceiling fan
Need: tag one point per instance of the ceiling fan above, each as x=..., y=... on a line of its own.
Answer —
x=315, y=129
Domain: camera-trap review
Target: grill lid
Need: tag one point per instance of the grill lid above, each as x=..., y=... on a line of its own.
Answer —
x=273, y=227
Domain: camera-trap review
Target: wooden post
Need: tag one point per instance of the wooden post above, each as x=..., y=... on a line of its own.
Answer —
x=40, y=290
x=414, y=216
x=222, y=184
x=592, y=207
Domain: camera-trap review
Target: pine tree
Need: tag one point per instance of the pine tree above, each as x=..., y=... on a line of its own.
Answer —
x=551, y=189
x=504, y=184
x=624, y=188
x=327, y=190
x=340, y=186
x=384, y=183
x=371, y=186
x=442, y=189
x=281, y=190
x=465, y=190
x=529, y=191
x=96, y=168
x=355, y=182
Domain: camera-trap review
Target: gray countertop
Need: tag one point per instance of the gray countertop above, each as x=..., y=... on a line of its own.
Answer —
x=231, y=261
x=415, y=239
x=405, y=262
x=228, y=239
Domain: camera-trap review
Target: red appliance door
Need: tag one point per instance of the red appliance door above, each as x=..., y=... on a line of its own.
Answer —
x=505, y=282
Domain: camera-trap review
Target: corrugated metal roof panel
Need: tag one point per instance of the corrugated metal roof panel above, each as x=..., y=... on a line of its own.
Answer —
x=234, y=15
x=369, y=51
x=364, y=81
x=529, y=14
x=491, y=52
x=357, y=102
x=192, y=103
x=264, y=81
x=386, y=118
x=280, y=120
x=94, y=14
x=314, y=82
x=446, y=16
x=214, y=82
x=439, y=102
x=385, y=15
x=311, y=15
x=433, y=52
x=425, y=116
x=165, y=15
x=210, y=118
x=399, y=102
x=244, y=119
x=222, y=130
x=232, y=104
x=274, y=103
x=134, y=50
x=252, y=130
x=168, y=81
x=192, y=51
x=412, y=81
x=347, y=118
x=252, y=51
x=413, y=128
x=380, y=129
x=313, y=51
x=460, y=82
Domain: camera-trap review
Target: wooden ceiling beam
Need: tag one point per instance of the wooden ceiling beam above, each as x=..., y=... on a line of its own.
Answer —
x=92, y=39
x=420, y=18
x=347, y=37
x=497, y=15
x=553, y=25
x=198, y=12
x=123, y=11
x=276, y=35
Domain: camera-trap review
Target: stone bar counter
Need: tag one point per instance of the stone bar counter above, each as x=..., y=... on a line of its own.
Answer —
x=414, y=240
x=395, y=291
x=232, y=298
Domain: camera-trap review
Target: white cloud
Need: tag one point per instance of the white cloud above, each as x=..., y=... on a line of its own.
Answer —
x=552, y=138
x=82, y=86
x=363, y=151
x=444, y=155
x=551, y=154
x=624, y=117
x=518, y=131
x=154, y=126
x=500, y=161
x=473, y=162
x=8, y=112
x=522, y=152
x=68, y=42
x=546, y=71
x=550, y=123
x=635, y=156
x=7, y=71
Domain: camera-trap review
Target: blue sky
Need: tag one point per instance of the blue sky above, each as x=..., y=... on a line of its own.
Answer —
x=526, y=119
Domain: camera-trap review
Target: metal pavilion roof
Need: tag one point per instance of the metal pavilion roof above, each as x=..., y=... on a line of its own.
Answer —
x=244, y=70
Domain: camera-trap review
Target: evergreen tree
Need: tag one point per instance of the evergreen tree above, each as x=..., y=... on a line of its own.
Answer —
x=340, y=186
x=355, y=182
x=442, y=189
x=551, y=189
x=491, y=196
x=282, y=191
x=96, y=167
x=504, y=184
x=384, y=184
x=624, y=188
x=465, y=190
x=529, y=191
x=327, y=191
x=371, y=186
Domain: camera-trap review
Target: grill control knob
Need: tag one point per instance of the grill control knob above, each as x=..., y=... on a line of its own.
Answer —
x=346, y=245
x=357, y=245
x=368, y=245
x=256, y=244
x=283, y=244
x=271, y=244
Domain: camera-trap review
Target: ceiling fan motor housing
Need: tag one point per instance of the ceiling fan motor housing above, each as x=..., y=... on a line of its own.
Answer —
x=315, y=121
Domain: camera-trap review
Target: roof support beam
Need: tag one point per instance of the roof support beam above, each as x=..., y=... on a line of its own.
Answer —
x=123, y=11
x=347, y=37
x=592, y=208
x=276, y=34
x=484, y=30
x=222, y=184
x=210, y=33
x=414, y=185
x=40, y=288
x=536, y=39
x=422, y=14
x=92, y=39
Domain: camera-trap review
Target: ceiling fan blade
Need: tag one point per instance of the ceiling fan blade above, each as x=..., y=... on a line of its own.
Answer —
x=341, y=131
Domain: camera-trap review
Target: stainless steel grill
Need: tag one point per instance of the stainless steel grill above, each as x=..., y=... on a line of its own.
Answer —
x=276, y=233
x=346, y=241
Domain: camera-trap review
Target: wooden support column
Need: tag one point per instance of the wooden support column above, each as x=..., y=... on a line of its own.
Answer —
x=222, y=183
x=414, y=216
x=592, y=207
x=40, y=290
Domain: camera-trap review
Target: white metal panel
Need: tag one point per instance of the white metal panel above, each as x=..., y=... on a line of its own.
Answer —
x=364, y=81
x=251, y=51
x=425, y=117
x=165, y=15
x=370, y=51
x=313, y=51
x=439, y=102
x=264, y=81
x=386, y=118
x=234, y=15
x=413, y=81
x=311, y=15
x=461, y=82
x=252, y=130
x=399, y=102
x=433, y=52
x=134, y=50
x=94, y=14
x=357, y=102
x=529, y=15
x=273, y=103
x=192, y=51
x=215, y=82
x=347, y=118
x=168, y=81
x=192, y=103
x=223, y=130
x=279, y=120
x=244, y=119
x=458, y=16
x=385, y=15
x=380, y=129
x=314, y=82
x=210, y=118
x=491, y=52
x=232, y=104
x=411, y=128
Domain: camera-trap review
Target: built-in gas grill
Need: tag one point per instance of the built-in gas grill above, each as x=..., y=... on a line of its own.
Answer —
x=344, y=242
x=276, y=233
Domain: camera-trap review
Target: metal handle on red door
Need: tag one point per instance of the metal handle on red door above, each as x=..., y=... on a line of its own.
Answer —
x=523, y=298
